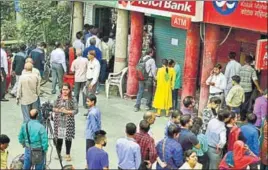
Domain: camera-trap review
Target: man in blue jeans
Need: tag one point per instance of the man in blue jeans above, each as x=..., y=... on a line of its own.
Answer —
x=147, y=85
x=38, y=139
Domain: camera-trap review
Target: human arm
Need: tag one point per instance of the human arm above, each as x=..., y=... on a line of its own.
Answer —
x=229, y=97
x=208, y=81
x=96, y=73
x=178, y=156
x=44, y=138
x=63, y=61
x=152, y=152
x=5, y=63
x=73, y=111
x=137, y=157
x=22, y=136
x=255, y=80
x=222, y=83
x=153, y=67
x=222, y=141
x=105, y=162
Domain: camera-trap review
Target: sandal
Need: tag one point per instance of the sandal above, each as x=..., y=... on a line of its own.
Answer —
x=68, y=158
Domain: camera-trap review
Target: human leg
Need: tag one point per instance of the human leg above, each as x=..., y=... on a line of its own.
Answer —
x=54, y=78
x=60, y=73
x=77, y=86
x=25, y=109
x=149, y=87
x=15, y=87
x=68, y=144
x=245, y=105
x=140, y=95
x=214, y=158
x=27, y=159
x=175, y=98
x=3, y=84
x=59, y=145
x=83, y=94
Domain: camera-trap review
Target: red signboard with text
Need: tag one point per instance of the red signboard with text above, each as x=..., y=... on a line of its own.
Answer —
x=262, y=55
x=250, y=15
x=180, y=22
x=192, y=9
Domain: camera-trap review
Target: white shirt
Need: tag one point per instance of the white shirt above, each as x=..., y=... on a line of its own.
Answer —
x=232, y=68
x=220, y=83
x=150, y=66
x=79, y=66
x=216, y=133
x=105, y=51
x=97, y=41
x=4, y=63
x=77, y=44
x=93, y=71
x=58, y=56
x=111, y=45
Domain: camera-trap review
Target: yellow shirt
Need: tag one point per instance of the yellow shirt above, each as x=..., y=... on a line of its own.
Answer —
x=3, y=159
x=236, y=96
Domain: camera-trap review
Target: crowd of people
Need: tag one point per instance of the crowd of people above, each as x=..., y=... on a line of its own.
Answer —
x=231, y=132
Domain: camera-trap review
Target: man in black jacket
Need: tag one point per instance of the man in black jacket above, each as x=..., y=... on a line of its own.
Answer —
x=38, y=56
x=17, y=67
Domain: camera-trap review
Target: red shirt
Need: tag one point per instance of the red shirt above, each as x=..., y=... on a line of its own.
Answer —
x=147, y=146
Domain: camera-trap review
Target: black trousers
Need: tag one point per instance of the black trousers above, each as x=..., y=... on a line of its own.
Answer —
x=3, y=84
x=68, y=144
x=89, y=143
x=245, y=105
x=204, y=160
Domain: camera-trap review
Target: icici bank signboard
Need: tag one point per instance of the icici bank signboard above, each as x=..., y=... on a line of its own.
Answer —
x=192, y=9
x=251, y=14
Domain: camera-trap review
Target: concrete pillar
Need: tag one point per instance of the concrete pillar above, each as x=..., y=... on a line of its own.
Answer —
x=120, y=61
x=212, y=39
x=136, y=38
x=77, y=24
x=191, y=61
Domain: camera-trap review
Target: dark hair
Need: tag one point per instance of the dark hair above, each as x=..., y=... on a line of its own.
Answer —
x=57, y=44
x=232, y=55
x=92, y=52
x=144, y=126
x=93, y=98
x=218, y=66
x=243, y=115
x=149, y=51
x=105, y=39
x=215, y=100
x=251, y=118
x=131, y=128
x=185, y=119
x=236, y=79
x=4, y=139
x=99, y=136
x=223, y=114
x=187, y=101
x=198, y=120
x=79, y=35
x=248, y=59
x=86, y=26
x=188, y=153
x=165, y=63
x=172, y=130
x=171, y=62
x=23, y=47
x=195, y=129
x=42, y=44
x=232, y=116
x=175, y=114
x=69, y=87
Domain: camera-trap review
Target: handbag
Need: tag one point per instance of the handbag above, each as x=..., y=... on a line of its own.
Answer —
x=36, y=153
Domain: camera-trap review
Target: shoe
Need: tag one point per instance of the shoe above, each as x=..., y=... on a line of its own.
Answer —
x=85, y=114
x=97, y=92
x=12, y=95
x=147, y=108
x=136, y=109
x=53, y=92
x=4, y=100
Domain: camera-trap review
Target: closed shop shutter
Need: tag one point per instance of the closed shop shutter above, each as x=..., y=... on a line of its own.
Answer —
x=163, y=35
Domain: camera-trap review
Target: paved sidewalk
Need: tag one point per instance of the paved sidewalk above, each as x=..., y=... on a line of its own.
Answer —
x=116, y=112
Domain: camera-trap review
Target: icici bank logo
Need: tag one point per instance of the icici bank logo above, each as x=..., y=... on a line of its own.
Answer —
x=125, y=3
x=225, y=7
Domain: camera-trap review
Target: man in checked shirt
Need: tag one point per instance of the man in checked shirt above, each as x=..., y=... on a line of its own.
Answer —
x=147, y=145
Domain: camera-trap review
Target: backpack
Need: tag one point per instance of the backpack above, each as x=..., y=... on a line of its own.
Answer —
x=141, y=72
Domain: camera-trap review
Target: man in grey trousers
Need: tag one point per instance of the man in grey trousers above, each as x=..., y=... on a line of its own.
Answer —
x=58, y=63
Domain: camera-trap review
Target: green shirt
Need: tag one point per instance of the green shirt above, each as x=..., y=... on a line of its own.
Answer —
x=178, y=76
x=236, y=96
x=38, y=135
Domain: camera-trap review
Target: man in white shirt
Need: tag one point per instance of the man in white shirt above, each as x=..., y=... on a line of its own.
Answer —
x=216, y=83
x=58, y=63
x=79, y=67
x=28, y=91
x=78, y=44
x=94, y=35
x=232, y=69
x=93, y=72
x=3, y=72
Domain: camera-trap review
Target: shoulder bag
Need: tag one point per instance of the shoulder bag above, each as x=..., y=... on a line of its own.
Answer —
x=36, y=153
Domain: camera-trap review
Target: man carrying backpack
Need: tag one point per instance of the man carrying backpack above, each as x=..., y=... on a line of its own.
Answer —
x=146, y=71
